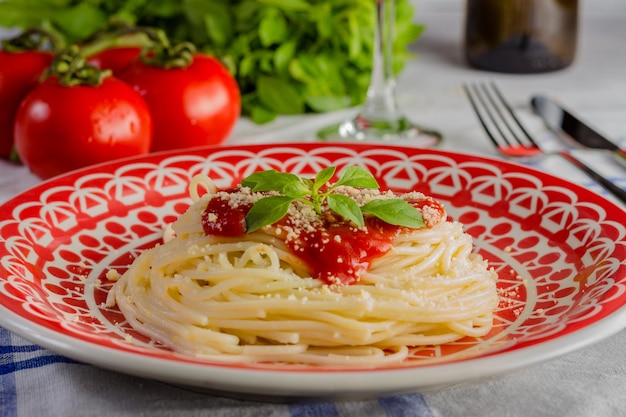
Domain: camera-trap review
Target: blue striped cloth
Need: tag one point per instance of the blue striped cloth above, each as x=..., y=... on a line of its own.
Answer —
x=35, y=382
x=19, y=360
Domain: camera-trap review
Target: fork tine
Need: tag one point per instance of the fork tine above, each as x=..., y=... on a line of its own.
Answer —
x=509, y=109
x=487, y=107
x=497, y=109
x=474, y=104
x=502, y=127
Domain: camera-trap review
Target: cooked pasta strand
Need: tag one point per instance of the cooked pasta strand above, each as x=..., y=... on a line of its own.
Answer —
x=250, y=299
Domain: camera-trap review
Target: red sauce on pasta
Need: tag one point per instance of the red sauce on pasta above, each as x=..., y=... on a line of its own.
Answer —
x=335, y=250
x=221, y=219
x=339, y=252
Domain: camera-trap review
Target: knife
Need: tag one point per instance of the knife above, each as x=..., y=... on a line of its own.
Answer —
x=561, y=120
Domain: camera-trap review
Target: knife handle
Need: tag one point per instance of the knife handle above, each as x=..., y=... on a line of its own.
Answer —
x=600, y=179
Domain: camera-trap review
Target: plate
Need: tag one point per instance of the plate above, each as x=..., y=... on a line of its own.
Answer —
x=558, y=248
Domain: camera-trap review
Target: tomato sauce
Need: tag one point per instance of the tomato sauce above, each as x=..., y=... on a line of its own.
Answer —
x=339, y=252
x=335, y=250
x=220, y=219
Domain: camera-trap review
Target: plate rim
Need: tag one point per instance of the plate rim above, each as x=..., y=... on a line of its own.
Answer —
x=507, y=360
x=319, y=384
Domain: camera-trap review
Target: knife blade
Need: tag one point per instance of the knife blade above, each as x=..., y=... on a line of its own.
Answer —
x=560, y=120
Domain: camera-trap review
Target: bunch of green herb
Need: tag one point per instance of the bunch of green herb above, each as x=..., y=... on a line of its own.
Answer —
x=269, y=210
x=288, y=56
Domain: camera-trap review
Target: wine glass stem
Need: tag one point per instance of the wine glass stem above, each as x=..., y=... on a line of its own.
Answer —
x=380, y=104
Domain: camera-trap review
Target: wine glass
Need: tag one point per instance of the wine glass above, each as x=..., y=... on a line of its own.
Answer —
x=380, y=118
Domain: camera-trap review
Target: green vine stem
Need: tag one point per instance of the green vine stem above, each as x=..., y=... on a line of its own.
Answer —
x=33, y=39
x=163, y=54
x=71, y=68
x=178, y=56
x=116, y=34
x=157, y=50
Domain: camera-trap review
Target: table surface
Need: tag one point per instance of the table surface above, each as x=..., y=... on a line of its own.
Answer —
x=588, y=382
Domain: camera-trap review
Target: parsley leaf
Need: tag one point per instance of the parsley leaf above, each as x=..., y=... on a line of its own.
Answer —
x=288, y=56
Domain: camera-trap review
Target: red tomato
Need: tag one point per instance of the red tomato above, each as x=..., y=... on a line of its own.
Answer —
x=19, y=73
x=193, y=106
x=58, y=129
x=116, y=59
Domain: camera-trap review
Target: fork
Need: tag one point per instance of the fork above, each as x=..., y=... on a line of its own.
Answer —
x=511, y=138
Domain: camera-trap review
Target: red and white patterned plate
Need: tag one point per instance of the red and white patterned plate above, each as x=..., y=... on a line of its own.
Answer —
x=558, y=248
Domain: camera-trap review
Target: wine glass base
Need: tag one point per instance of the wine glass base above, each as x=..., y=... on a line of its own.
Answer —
x=401, y=131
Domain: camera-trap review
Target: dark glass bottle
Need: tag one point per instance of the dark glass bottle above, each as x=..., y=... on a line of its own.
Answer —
x=521, y=36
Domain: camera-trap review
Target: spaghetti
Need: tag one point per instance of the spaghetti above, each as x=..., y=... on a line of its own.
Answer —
x=348, y=296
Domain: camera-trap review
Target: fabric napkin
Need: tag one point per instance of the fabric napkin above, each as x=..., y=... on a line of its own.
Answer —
x=590, y=382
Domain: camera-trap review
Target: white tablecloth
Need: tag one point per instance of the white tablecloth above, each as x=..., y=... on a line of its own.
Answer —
x=588, y=382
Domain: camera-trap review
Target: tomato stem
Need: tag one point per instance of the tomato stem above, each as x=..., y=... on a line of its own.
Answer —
x=157, y=50
x=71, y=68
x=165, y=55
x=33, y=39
x=118, y=33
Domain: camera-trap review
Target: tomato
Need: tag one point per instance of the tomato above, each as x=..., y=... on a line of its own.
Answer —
x=60, y=128
x=116, y=59
x=19, y=73
x=191, y=106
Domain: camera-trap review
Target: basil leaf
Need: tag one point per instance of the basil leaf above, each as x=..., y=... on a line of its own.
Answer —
x=307, y=182
x=346, y=207
x=323, y=177
x=295, y=190
x=357, y=177
x=270, y=180
x=395, y=211
x=267, y=211
x=271, y=209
